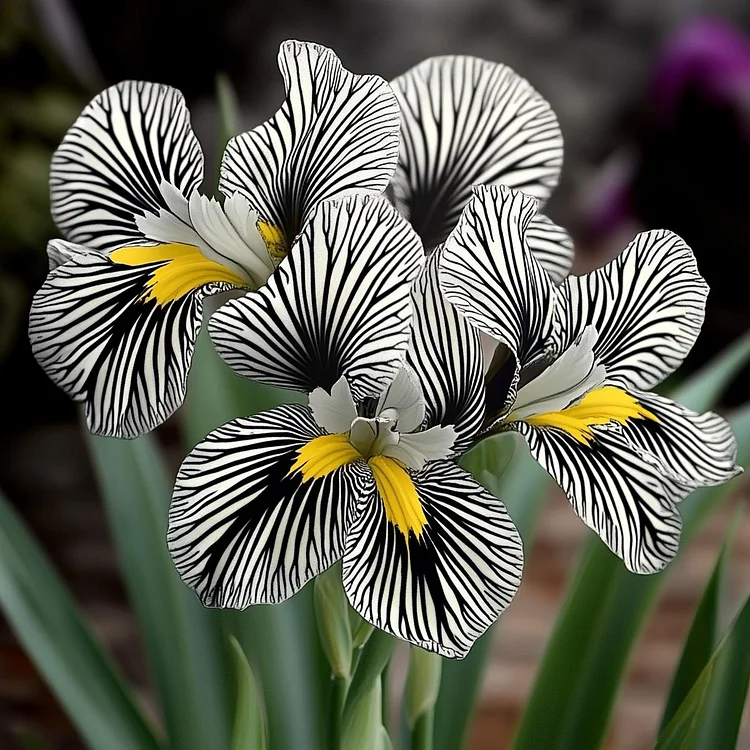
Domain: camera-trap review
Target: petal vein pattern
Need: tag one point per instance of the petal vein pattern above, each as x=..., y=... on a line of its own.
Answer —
x=444, y=589
x=446, y=354
x=243, y=527
x=113, y=337
x=109, y=168
x=647, y=305
x=336, y=133
x=489, y=275
x=464, y=122
x=626, y=499
x=337, y=305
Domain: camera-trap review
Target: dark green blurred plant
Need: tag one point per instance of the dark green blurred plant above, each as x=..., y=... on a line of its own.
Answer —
x=39, y=99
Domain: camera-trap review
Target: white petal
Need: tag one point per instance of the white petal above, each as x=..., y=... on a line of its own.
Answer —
x=415, y=449
x=125, y=358
x=445, y=353
x=111, y=163
x=402, y=401
x=490, y=276
x=466, y=122
x=242, y=530
x=336, y=411
x=338, y=304
x=647, y=306
x=336, y=134
x=569, y=378
x=443, y=590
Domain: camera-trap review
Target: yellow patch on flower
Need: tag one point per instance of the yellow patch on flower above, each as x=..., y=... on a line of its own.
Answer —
x=275, y=241
x=184, y=269
x=322, y=455
x=399, y=495
x=601, y=406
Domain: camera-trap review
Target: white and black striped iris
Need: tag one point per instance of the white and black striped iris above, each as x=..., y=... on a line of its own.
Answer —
x=116, y=321
x=579, y=362
x=396, y=390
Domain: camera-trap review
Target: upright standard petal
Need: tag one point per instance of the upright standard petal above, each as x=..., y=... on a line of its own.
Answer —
x=490, y=276
x=551, y=246
x=647, y=305
x=337, y=305
x=110, y=167
x=442, y=590
x=336, y=133
x=244, y=527
x=465, y=122
x=118, y=335
x=626, y=498
x=446, y=354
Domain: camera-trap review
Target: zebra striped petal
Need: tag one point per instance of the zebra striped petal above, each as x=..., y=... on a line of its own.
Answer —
x=111, y=164
x=465, y=122
x=488, y=273
x=626, y=498
x=647, y=305
x=551, y=246
x=444, y=589
x=60, y=252
x=446, y=354
x=242, y=530
x=337, y=305
x=124, y=357
x=336, y=133
x=697, y=450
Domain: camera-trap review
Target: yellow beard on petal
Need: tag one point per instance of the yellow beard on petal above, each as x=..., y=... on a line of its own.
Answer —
x=322, y=455
x=599, y=407
x=399, y=495
x=185, y=269
x=275, y=241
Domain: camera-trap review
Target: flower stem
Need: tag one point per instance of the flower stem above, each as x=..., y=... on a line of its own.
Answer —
x=421, y=735
x=339, y=689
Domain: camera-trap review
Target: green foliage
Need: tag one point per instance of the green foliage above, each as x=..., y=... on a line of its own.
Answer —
x=703, y=635
x=248, y=732
x=522, y=486
x=606, y=606
x=183, y=639
x=711, y=714
x=48, y=624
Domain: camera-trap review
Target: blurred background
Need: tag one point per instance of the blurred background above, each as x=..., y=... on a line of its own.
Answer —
x=654, y=103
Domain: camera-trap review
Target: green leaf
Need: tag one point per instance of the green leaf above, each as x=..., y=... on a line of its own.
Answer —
x=704, y=388
x=603, y=614
x=332, y=617
x=217, y=395
x=280, y=641
x=362, y=725
x=703, y=635
x=422, y=683
x=48, y=624
x=375, y=655
x=184, y=641
x=710, y=716
x=523, y=488
x=248, y=732
x=229, y=111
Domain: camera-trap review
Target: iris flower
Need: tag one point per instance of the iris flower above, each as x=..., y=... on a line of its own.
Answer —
x=115, y=322
x=575, y=364
x=465, y=122
x=367, y=471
